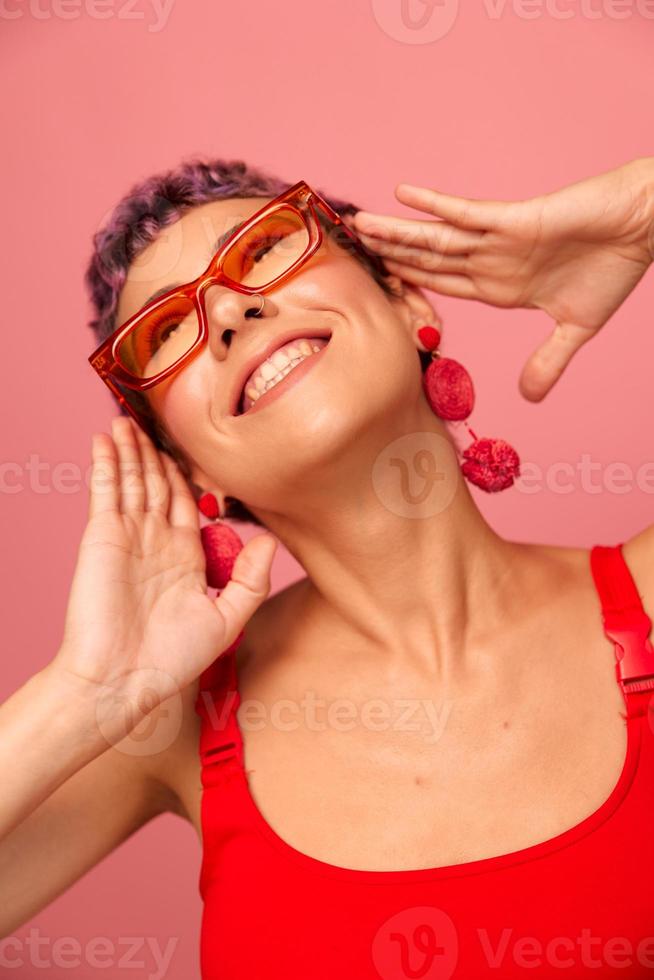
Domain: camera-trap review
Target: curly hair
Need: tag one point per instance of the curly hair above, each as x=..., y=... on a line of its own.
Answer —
x=151, y=205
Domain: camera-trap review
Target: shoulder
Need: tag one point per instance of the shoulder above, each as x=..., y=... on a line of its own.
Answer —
x=169, y=743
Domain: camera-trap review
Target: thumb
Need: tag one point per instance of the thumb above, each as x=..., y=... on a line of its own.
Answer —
x=547, y=363
x=248, y=586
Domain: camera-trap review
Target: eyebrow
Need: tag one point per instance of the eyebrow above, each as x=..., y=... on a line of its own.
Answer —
x=173, y=285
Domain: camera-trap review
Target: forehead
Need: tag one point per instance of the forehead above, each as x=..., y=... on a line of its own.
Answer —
x=182, y=250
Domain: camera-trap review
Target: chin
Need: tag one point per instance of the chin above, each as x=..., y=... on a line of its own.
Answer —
x=345, y=417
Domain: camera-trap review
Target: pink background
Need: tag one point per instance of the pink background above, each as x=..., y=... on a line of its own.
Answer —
x=499, y=100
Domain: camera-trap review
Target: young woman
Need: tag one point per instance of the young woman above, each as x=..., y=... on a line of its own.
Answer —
x=443, y=760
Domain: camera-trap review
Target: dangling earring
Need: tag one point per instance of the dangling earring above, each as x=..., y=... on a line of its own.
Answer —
x=491, y=464
x=220, y=542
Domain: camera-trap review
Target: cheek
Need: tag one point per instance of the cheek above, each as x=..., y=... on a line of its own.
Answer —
x=180, y=404
x=342, y=278
x=341, y=284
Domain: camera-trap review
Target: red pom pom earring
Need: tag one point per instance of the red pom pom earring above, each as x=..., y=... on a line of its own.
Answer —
x=491, y=464
x=220, y=542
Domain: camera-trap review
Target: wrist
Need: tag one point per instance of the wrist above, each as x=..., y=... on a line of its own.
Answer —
x=72, y=706
x=104, y=711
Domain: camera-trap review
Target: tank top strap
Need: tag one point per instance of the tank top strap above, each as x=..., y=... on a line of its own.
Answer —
x=216, y=703
x=626, y=623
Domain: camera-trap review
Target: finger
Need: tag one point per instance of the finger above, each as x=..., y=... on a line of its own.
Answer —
x=248, y=586
x=104, y=486
x=447, y=284
x=420, y=258
x=182, y=509
x=132, y=487
x=157, y=486
x=464, y=212
x=548, y=362
x=438, y=236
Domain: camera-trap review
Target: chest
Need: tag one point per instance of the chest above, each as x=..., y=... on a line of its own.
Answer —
x=368, y=776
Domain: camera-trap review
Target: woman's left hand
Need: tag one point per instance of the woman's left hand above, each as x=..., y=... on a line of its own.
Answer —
x=575, y=253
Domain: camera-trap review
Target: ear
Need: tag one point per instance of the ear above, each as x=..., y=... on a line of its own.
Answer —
x=412, y=306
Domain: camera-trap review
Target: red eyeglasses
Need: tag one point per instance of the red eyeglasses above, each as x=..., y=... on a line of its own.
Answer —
x=263, y=252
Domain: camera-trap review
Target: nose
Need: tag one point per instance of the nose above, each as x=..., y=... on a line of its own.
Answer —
x=227, y=313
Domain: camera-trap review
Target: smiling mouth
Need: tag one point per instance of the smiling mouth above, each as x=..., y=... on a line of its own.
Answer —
x=276, y=367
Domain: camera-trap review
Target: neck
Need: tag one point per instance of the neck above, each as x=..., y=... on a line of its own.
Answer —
x=398, y=557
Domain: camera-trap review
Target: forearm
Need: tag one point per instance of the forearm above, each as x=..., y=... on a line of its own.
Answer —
x=48, y=731
x=643, y=169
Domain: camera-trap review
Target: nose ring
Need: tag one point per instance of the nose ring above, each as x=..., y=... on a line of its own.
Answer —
x=260, y=310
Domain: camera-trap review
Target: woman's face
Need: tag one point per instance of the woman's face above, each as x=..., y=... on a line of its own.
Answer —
x=317, y=420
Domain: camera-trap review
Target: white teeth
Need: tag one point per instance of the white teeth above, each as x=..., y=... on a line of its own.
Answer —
x=255, y=393
x=267, y=370
x=279, y=359
x=277, y=366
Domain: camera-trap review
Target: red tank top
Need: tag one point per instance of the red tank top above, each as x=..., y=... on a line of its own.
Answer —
x=580, y=904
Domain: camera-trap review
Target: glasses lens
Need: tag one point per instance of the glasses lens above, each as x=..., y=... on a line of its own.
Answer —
x=268, y=249
x=159, y=339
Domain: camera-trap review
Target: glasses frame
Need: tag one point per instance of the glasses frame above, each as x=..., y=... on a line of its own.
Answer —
x=301, y=199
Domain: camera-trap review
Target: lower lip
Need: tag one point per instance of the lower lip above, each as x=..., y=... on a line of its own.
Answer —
x=291, y=379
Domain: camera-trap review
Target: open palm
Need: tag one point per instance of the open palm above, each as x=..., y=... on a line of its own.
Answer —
x=575, y=253
x=139, y=615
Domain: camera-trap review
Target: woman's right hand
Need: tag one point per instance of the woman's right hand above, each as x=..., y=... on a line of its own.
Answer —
x=140, y=625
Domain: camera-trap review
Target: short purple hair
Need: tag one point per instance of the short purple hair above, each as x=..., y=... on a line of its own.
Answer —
x=151, y=205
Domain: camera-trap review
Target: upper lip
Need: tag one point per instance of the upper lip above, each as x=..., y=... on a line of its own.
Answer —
x=264, y=352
